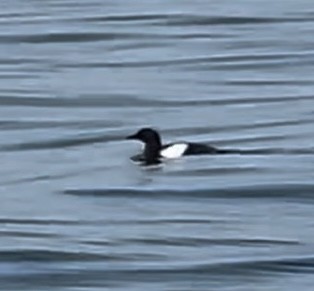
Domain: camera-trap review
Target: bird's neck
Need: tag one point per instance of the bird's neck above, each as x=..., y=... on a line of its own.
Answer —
x=152, y=152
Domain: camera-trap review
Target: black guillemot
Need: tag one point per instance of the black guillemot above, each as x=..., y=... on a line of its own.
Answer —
x=154, y=150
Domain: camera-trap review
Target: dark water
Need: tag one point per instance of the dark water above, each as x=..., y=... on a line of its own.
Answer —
x=78, y=76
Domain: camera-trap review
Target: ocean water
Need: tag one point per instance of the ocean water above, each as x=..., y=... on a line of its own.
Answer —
x=77, y=77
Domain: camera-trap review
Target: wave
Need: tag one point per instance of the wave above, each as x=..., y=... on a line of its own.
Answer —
x=258, y=268
x=279, y=191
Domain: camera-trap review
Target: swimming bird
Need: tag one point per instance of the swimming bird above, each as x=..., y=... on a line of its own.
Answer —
x=154, y=150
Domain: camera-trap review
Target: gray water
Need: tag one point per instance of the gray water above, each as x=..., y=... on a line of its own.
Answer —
x=78, y=76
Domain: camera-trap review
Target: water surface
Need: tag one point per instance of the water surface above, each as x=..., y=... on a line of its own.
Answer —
x=77, y=77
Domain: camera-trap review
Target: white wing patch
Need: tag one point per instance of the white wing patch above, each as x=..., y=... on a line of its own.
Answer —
x=174, y=151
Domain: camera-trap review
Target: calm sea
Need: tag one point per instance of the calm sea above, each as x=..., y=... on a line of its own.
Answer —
x=76, y=77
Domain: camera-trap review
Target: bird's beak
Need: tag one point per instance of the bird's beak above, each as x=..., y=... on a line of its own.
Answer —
x=133, y=136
